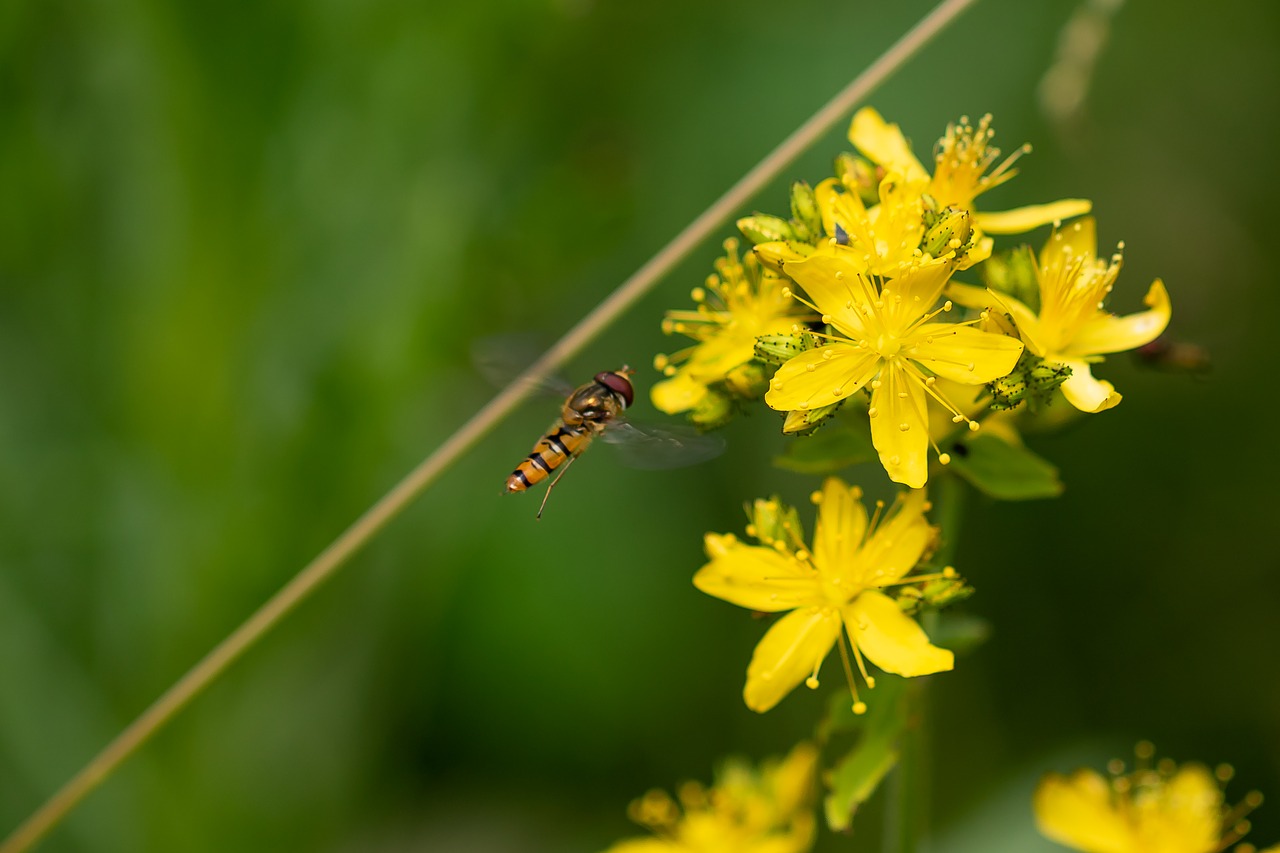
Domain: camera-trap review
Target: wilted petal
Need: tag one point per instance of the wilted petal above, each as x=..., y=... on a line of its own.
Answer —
x=842, y=521
x=821, y=376
x=897, y=544
x=1076, y=810
x=836, y=287
x=1024, y=219
x=883, y=144
x=900, y=428
x=962, y=353
x=754, y=577
x=788, y=654
x=1108, y=333
x=1086, y=393
x=892, y=640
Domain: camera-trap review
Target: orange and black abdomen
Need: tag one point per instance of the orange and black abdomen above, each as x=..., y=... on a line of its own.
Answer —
x=552, y=450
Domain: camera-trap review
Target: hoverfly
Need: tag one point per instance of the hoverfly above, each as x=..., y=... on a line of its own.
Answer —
x=595, y=410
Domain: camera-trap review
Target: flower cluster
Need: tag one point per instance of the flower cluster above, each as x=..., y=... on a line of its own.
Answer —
x=1163, y=808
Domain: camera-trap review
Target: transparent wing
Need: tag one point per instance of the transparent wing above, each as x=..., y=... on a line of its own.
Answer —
x=500, y=359
x=654, y=447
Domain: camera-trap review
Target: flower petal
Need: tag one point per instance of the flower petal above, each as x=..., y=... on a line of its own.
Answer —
x=962, y=353
x=821, y=376
x=754, y=577
x=892, y=640
x=884, y=144
x=788, y=654
x=1188, y=815
x=1086, y=393
x=1070, y=244
x=1028, y=323
x=1076, y=811
x=837, y=288
x=897, y=544
x=909, y=297
x=842, y=521
x=677, y=394
x=1108, y=333
x=1032, y=216
x=900, y=427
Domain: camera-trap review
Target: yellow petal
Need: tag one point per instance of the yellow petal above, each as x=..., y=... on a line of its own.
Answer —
x=788, y=654
x=898, y=543
x=842, y=521
x=677, y=394
x=884, y=144
x=644, y=845
x=962, y=353
x=907, y=298
x=1107, y=333
x=836, y=287
x=1076, y=810
x=1027, y=321
x=1068, y=245
x=1033, y=216
x=900, y=427
x=1086, y=393
x=754, y=577
x=1188, y=814
x=892, y=640
x=838, y=370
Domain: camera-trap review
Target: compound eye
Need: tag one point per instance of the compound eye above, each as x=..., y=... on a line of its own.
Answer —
x=618, y=384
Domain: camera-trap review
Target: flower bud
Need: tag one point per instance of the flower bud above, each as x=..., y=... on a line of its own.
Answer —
x=805, y=421
x=763, y=228
x=806, y=219
x=946, y=231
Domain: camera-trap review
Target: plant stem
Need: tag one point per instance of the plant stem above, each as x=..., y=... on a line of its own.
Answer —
x=327, y=563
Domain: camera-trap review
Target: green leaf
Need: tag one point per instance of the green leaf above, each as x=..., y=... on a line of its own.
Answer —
x=855, y=777
x=827, y=450
x=1004, y=471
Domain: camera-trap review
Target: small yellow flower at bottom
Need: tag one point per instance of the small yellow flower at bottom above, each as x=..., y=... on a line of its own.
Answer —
x=1160, y=809
x=769, y=810
x=834, y=588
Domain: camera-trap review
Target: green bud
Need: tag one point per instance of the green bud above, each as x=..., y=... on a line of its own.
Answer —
x=781, y=348
x=805, y=421
x=1014, y=273
x=713, y=411
x=763, y=228
x=805, y=216
x=748, y=381
x=772, y=523
x=950, y=231
x=859, y=176
x=1032, y=381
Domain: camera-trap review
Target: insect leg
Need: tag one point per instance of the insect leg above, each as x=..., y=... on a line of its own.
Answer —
x=547, y=495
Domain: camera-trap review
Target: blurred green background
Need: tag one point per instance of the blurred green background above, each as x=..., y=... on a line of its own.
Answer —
x=243, y=250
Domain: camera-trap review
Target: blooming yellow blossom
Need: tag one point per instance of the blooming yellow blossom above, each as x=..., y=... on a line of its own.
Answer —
x=835, y=587
x=963, y=170
x=1072, y=328
x=1165, y=809
x=887, y=338
x=738, y=304
x=747, y=811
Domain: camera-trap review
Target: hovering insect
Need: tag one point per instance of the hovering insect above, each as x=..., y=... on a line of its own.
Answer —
x=595, y=410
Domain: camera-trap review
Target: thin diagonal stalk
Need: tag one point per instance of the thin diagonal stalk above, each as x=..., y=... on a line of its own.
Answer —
x=381, y=513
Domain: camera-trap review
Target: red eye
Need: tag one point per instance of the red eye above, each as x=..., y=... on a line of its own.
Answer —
x=618, y=384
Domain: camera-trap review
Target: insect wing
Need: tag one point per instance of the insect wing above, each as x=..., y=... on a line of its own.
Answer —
x=655, y=447
x=502, y=359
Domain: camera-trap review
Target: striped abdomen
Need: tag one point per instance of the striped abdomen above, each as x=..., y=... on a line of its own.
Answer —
x=552, y=450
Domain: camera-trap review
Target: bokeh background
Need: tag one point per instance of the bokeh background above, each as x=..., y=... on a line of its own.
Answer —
x=244, y=249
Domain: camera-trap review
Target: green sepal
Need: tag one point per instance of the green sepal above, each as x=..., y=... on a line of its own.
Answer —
x=950, y=230
x=1004, y=471
x=781, y=348
x=1032, y=381
x=806, y=219
x=713, y=411
x=854, y=778
x=763, y=228
x=827, y=451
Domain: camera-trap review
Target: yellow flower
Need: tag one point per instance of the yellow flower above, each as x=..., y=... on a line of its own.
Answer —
x=886, y=338
x=836, y=586
x=1165, y=809
x=738, y=304
x=962, y=171
x=1072, y=329
x=747, y=811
